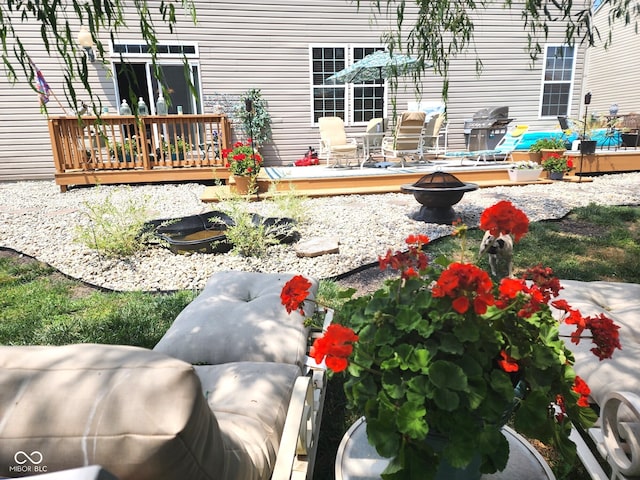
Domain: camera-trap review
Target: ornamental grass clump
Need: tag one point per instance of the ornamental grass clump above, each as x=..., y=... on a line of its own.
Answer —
x=444, y=351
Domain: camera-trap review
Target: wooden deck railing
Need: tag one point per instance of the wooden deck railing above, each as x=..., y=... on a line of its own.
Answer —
x=126, y=149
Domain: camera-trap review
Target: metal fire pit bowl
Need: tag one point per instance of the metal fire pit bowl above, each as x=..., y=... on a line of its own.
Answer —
x=437, y=193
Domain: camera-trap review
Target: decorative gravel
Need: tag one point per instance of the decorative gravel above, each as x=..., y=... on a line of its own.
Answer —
x=37, y=220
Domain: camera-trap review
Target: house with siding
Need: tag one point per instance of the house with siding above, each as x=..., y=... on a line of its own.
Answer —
x=611, y=74
x=286, y=49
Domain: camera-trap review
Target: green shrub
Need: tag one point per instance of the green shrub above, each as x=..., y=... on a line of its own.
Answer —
x=548, y=143
x=115, y=230
x=248, y=237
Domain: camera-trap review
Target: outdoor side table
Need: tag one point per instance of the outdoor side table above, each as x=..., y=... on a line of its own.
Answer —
x=358, y=460
x=369, y=142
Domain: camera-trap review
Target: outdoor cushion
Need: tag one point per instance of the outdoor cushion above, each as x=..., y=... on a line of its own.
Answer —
x=138, y=413
x=620, y=302
x=238, y=317
x=250, y=401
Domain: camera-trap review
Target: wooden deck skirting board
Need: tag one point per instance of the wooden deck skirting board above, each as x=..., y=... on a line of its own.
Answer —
x=352, y=186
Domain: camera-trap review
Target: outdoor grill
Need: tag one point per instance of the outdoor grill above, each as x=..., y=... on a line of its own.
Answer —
x=486, y=128
x=437, y=193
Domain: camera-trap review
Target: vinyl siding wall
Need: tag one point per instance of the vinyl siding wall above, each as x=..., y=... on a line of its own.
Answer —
x=246, y=44
x=612, y=74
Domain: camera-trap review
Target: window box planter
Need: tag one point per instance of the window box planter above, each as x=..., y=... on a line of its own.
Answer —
x=524, y=175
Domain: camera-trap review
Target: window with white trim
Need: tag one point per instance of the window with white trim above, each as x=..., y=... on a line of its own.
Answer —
x=355, y=103
x=557, y=82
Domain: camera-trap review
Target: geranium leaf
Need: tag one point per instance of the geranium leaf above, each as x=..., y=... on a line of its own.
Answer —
x=446, y=399
x=447, y=375
x=494, y=443
x=408, y=319
x=449, y=343
x=393, y=386
x=418, y=359
x=467, y=332
x=384, y=436
x=411, y=420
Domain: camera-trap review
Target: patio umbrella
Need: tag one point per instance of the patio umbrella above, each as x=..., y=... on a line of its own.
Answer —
x=375, y=66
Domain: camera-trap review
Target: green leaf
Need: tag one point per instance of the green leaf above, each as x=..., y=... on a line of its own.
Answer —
x=418, y=359
x=467, y=332
x=384, y=436
x=448, y=375
x=446, y=400
x=393, y=385
x=449, y=343
x=411, y=420
x=408, y=319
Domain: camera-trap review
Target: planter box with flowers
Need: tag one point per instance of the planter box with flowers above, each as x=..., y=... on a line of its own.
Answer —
x=443, y=350
x=525, y=172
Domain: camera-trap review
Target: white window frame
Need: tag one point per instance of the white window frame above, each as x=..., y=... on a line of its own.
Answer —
x=169, y=59
x=349, y=88
x=544, y=82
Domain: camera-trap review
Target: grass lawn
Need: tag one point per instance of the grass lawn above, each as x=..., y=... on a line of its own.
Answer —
x=39, y=306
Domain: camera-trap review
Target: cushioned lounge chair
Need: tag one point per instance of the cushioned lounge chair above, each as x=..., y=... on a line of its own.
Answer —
x=406, y=141
x=432, y=133
x=227, y=393
x=502, y=152
x=334, y=144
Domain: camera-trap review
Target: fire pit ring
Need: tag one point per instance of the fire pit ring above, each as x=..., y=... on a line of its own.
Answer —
x=437, y=193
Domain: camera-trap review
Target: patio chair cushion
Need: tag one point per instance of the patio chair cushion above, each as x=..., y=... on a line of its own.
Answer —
x=138, y=413
x=238, y=317
x=250, y=401
x=620, y=302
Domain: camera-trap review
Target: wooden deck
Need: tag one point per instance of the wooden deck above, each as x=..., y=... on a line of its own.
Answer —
x=318, y=181
x=117, y=149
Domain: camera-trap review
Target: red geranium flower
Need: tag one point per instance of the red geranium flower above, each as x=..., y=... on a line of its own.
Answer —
x=335, y=347
x=409, y=263
x=294, y=293
x=604, y=333
x=465, y=283
x=505, y=218
x=582, y=389
x=508, y=363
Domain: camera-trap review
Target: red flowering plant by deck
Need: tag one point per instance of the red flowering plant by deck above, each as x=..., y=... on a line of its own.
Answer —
x=243, y=160
x=558, y=163
x=443, y=349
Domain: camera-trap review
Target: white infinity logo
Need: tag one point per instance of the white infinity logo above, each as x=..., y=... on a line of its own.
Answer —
x=35, y=457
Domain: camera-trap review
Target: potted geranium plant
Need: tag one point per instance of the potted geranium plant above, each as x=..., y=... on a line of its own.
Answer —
x=557, y=165
x=524, y=171
x=244, y=162
x=444, y=353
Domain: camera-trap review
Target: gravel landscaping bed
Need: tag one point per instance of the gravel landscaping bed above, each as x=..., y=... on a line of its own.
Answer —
x=39, y=221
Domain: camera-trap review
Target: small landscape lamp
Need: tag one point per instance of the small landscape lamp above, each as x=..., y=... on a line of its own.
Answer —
x=86, y=42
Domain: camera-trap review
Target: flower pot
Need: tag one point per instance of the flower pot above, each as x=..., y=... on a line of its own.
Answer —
x=243, y=184
x=524, y=175
x=588, y=147
x=556, y=175
x=535, y=157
